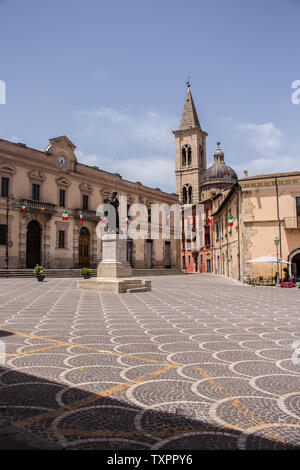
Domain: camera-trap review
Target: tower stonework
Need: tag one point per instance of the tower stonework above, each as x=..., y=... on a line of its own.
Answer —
x=190, y=153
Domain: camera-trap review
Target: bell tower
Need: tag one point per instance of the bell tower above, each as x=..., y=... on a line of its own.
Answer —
x=190, y=153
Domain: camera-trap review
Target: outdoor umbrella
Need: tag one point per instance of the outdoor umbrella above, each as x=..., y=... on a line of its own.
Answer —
x=268, y=259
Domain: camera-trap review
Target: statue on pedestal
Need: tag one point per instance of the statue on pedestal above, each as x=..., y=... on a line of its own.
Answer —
x=112, y=200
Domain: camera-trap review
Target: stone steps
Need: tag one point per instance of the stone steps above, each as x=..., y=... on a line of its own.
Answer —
x=76, y=272
x=156, y=272
x=137, y=289
x=49, y=273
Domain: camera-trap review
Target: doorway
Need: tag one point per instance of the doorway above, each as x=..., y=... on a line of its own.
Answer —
x=33, y=244
x=296, y=265
x=195, y=258
x=84, y=248
x=130, y=252
x=168, y=254
x=149, y=250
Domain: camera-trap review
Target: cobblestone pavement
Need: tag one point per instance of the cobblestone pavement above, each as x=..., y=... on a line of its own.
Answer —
x=200, y=362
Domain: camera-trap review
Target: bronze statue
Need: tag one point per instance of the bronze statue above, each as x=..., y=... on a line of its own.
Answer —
x=112, y=199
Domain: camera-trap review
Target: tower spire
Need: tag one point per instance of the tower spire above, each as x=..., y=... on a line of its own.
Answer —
x=189, y=117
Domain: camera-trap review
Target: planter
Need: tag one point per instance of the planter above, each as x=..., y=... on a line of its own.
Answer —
x=40, y=277
x=87, y=276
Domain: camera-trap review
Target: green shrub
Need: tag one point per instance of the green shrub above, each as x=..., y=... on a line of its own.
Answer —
x=39, y=270
x=85, y=271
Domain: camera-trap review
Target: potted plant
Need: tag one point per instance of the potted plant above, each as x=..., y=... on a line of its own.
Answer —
x=298, y=284
x=86, y=273
x=39, y=272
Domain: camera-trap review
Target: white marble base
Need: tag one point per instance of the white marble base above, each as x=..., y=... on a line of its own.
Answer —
x=114, y=273
x=119, y=286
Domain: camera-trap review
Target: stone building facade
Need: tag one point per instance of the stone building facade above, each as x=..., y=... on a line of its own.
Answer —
x=263, y=207
x=197, y=184
x=39, y=189
x=241, y=217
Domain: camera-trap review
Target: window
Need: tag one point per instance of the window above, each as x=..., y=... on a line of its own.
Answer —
x=201, y=259
x=35, y=192
x=190, y=194
x=189, y=259
x=3, y=234
x=298, y=206
x=183, y=262
x=207, y=236
x=4, y=186
x=85, y=202
x=61, y=239
x=184, y=195
x=62, y=197
x=183, y=157
x=189, y=156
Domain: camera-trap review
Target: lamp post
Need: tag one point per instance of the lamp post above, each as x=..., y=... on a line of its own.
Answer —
x=276, y=241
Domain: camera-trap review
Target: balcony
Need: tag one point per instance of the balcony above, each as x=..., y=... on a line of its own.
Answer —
x=291, y=223
x=86, y=214
x=36, y=206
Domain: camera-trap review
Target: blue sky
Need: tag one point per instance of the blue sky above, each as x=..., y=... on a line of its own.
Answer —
x=111, y=76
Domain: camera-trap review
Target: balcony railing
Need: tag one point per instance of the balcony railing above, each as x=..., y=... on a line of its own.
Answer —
x=37, y=206
x=86, y=214
x=291, y=223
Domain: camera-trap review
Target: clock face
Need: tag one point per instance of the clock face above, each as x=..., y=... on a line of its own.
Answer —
x=61, y=161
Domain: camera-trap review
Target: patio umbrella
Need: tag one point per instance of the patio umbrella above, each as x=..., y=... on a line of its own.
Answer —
x=268, y=259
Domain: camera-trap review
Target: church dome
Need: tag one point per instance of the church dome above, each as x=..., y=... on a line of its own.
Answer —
x=219, y=171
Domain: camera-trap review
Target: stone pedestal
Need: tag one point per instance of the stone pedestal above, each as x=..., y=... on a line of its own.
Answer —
x=114, y=273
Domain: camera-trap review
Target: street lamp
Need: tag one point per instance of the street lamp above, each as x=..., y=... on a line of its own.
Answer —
x=276, y=241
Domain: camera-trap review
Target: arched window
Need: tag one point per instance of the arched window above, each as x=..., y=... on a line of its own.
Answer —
x=189, y=156
x=190, y=194
x=184, y=195
x=183, y=155
x=84, y=231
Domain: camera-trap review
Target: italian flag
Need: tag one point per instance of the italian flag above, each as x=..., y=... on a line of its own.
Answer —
x=65, y=215
x=81, y=216
x=103, y=218
x=126, y=219
x=42, y=209
x=230, y=221
x=23, y=209
x=209, y=219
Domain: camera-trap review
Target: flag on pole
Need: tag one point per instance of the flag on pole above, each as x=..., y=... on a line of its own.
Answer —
x=23, y=209
x=209, y=219
x=103, y=218
x=42, y=209
x=126, y=219
x=230, y=221
x=65, y=215
x=81, y=216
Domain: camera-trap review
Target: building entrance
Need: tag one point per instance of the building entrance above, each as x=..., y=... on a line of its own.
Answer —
x=33, y=244
x=84, y=248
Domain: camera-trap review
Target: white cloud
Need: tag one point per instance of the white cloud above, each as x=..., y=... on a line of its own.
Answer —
x=265, y=138
x=273, y=151
x=138, y=145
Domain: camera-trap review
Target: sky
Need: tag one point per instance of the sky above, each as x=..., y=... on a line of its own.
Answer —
x=111, y=76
